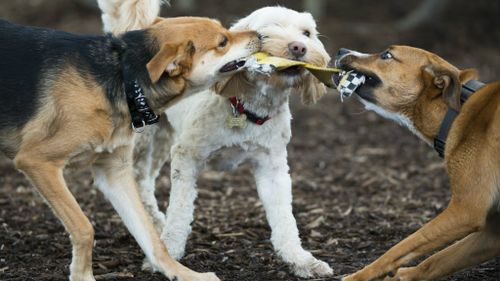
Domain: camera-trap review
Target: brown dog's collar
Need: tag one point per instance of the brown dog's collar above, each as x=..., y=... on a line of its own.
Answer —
x=469, y=88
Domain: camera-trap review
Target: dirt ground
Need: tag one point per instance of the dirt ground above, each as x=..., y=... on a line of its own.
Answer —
x=361, y=183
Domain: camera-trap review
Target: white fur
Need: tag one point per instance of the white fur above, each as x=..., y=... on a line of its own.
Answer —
x=351, y=53
x=117, y=192
x=200, y=134
x=119, y=16
x=358, y=54
x=397, y=117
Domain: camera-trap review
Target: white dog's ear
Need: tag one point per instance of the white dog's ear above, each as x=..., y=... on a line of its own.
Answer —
x=311, y=90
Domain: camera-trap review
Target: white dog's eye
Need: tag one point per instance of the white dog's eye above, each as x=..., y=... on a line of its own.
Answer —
x=307, y=33
x=386, y=55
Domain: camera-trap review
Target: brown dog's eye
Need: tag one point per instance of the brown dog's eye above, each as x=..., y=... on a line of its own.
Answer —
x=307, y=33
x=386, y=55
x=223, y=43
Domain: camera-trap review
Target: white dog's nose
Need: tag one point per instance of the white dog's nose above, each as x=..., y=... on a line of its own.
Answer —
x=297, y=49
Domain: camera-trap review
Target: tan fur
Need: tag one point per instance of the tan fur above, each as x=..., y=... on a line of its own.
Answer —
x=175, y=59
x=421, y=86
x=76, y=124
x=65, y=127
x=206, y=35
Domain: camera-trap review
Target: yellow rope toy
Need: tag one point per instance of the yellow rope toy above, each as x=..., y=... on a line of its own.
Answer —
x=324, y=74
x=348, y=83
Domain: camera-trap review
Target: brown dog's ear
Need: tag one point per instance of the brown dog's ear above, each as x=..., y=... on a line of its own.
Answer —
x=468, y=74
x=311, y=90
x=448, y=83
x=174, y=59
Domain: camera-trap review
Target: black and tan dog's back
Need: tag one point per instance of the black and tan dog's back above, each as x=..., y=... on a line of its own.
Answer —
x=20, y=69
x=62, y=101
x=33, y=62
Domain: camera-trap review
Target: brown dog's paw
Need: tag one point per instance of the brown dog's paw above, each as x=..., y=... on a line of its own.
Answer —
x=403, y=274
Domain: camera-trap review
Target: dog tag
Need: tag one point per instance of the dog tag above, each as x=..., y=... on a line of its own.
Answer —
x=237, y=121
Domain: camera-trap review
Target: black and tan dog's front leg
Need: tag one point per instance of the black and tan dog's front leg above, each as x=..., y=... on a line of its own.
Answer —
x=114, y=177
x=47, y=176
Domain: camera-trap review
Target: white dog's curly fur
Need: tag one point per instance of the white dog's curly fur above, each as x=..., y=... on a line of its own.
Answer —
x=119, y=16
x=196, y=132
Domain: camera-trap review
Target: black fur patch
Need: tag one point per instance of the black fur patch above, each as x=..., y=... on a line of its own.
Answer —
x=32, y=56
x=139, y=50
x=20, y=71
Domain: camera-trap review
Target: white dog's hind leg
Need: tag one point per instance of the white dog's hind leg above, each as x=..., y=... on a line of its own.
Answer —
x=274, y=186
x=184, y=169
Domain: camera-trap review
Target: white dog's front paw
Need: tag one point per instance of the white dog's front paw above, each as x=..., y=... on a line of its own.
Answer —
x=175, y=248
x=148, y=266
x=312, y=268
x=81, y=277
x=176, y=251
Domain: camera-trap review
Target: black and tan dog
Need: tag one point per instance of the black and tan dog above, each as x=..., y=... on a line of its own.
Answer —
x=424, y=92
x=63, y=100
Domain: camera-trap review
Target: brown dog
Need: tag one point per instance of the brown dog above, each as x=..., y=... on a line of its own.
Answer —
x=417, y=88
x=68, y=98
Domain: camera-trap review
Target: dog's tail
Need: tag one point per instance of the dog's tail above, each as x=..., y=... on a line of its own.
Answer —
x=119, y=16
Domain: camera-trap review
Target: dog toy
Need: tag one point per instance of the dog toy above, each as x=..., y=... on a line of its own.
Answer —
x=348, y=82
x=264, y=63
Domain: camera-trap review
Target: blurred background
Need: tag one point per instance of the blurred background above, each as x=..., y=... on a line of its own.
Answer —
x=465, y=32
x=361, y=183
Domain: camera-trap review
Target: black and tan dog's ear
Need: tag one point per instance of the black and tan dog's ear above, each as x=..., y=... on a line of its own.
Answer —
x=311, y=90
x=173, y=59
x=447, y=82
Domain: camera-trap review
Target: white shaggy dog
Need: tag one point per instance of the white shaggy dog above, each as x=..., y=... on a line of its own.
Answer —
x=197, y=131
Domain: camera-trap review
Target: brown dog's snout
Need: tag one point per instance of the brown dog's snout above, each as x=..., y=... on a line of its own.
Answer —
x=297, y=49
x=342, y=58
x=342, y=52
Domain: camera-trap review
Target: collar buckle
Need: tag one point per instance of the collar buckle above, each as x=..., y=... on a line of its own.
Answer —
x=140, y=128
